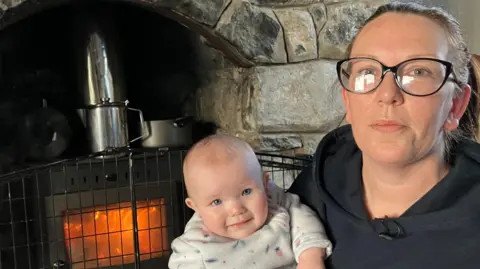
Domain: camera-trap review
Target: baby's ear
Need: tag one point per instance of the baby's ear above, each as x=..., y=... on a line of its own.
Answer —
x=189, y=202
x=266, y=179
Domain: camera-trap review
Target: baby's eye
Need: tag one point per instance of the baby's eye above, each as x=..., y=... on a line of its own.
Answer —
x=247, y=192
x=217, y=202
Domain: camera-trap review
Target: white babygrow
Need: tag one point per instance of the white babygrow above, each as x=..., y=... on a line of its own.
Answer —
x=291, y=228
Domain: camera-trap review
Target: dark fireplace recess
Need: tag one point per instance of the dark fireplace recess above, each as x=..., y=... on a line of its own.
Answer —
x=157, y=58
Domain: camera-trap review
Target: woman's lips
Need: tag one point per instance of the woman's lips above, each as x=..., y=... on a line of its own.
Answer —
x=387, y=126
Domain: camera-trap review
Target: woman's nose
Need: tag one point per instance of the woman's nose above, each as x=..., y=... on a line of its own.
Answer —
x=388, y=92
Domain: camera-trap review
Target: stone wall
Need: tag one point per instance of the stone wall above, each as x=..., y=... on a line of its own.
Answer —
x=275, y=108
x=289, y=98
x=267, y=66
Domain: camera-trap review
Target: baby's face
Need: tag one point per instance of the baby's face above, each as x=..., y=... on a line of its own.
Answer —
x=230, y=202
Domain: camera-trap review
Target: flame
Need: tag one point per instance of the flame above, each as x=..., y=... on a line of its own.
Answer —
x=103, y=236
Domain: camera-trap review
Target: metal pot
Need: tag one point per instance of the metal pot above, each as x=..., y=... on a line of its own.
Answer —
x=107, y=126
x=49, y=133
x=169, y=133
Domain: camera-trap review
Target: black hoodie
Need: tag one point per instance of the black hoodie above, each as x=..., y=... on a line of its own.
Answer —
x=440, y=231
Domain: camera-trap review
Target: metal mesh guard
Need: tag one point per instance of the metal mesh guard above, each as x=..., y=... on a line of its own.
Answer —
x=78, y=213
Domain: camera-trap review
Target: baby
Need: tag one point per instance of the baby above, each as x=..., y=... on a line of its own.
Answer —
x=242, y=220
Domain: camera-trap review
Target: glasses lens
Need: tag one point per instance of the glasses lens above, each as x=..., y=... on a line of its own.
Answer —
x=421, y=77
x=360, y=75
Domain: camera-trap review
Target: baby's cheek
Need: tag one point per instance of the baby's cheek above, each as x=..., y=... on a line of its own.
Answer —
x=264, y=208
x=212, y=219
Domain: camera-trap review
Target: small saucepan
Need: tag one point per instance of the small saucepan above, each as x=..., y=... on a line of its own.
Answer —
x=169, y=133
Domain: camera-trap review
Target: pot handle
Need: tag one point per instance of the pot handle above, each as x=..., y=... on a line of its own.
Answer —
x=181, y=122
x=143, y=126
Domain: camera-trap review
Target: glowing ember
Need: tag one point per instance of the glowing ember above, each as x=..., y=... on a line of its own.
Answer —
x=103, y=236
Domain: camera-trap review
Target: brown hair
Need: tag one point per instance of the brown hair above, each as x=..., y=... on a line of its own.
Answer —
x=474, y=106
x=459, y=56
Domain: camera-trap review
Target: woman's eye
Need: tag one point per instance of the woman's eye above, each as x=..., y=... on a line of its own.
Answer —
x=365, y=72
x=217, y=202
x=359, y=71
x=247, y=191
x=420, y=72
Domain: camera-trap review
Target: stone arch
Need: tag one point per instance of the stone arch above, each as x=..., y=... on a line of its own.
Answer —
x=247, y=32
x=200, y=16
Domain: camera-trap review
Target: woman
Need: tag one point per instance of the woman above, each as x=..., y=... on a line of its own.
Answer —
x=400, y=186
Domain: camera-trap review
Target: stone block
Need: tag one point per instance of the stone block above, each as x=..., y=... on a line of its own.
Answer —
x=269, y=142
x=283, y=3
x=319, y=16
x=276, y=142
x=218, y=99
x=205, y=12
x=269, y=100
x=286, y=143
x=304, y=97
x=254, y=31
x=300, y=34
x=343, y=22
x=6, y=4
x=336, y=1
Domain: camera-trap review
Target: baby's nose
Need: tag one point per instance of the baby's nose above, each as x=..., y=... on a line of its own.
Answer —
x=236, y=208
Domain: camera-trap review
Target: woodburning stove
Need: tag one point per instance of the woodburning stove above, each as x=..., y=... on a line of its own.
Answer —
x=116, y=213
x=80, y=214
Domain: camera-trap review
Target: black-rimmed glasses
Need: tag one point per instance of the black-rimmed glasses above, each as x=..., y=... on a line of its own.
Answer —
x=418, y=76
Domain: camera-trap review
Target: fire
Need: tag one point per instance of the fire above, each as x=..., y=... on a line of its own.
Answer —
x=105, y=234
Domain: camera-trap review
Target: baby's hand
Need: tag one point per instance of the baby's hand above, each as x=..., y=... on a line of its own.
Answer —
x=312, y=258
x=319, y=265
x=315, y=265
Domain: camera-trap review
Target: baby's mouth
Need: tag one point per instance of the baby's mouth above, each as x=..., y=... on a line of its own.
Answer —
x=240, y=223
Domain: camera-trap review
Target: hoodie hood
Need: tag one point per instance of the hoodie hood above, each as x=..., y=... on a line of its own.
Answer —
x=337, y=170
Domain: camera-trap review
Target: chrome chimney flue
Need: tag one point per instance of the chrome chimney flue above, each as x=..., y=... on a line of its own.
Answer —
x=101, y=75
x=105, y=106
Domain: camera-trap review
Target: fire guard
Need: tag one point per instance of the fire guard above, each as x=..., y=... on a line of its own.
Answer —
x=89, y=212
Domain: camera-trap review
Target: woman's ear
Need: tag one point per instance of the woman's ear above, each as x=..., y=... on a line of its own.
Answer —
x=345, y=104
x=459, y=106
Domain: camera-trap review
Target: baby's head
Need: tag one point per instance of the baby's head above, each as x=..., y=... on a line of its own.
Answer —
x=226, y=186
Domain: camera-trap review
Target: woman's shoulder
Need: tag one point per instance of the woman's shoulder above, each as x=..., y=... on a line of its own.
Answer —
x=335, y=154
x=469, y=149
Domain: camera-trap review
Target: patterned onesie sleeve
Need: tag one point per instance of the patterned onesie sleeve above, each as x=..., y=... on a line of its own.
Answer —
x=185, y=253
x=306, y=229
x=185, y=256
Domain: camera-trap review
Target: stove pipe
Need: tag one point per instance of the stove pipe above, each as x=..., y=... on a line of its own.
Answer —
x=104, y=109
x=100, y=75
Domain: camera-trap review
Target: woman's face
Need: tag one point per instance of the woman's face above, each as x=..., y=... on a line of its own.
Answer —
x=389, y=125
